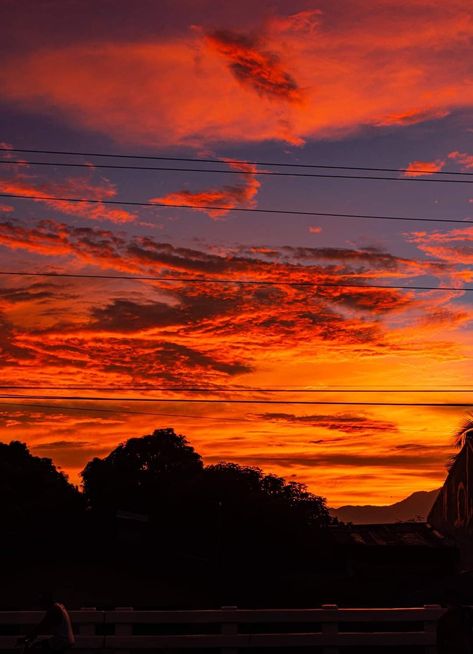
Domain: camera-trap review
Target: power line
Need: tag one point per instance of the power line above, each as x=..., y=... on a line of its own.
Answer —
x=252, y=282
x=290, y=212
x=270, y=173
x=77, y=398
x=235, y=161
x=219, y=389
x=54, y=407
x=120, y=411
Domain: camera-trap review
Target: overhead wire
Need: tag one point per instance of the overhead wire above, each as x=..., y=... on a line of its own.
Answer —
x=244, y=419
x=174, y=400
x=257, y=173
x=230, y=160
x=211, y=207
x=120, y=411
x=252, y=282
x=219, y=389
x=168, y=205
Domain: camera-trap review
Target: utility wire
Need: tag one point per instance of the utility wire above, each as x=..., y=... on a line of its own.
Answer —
x=78, y=398
x=235, y=161
x=120, y=411
x=219, y=389
x=54, y=407
x=290, y=212
x=252, y=282
x=270, y=173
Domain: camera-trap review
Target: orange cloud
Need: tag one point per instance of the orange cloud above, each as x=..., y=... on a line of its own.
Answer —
x=352, y=423
x=466, y=160
x=236, y=195
x=106, y=249
x=420, y=168
x=358, y=68
x=453, y=246
x=411, y=117
x=20, y=183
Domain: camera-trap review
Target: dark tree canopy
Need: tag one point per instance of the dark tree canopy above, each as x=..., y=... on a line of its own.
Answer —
x=254, y=515
x=248, y=491
x=32, y=491
x=225, y=530
x=140, y=474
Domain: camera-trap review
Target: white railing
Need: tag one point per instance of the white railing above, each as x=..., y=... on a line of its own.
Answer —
x=229, y=630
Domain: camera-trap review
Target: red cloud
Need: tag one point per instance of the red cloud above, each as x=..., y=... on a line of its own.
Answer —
x=411, y=117
x=420, y=168
x=454, y=246
x=237, y=195
x=466, y=160
x=388, y=67
x=144, y=254
x=20, y=183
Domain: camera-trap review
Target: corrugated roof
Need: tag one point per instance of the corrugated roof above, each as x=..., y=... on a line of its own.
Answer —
x=399, y=534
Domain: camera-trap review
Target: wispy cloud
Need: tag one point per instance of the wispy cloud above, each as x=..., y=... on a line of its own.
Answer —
x=462, y=158
x=352, y=423
x=228, y=196
x=411, y=117
x=19, y=180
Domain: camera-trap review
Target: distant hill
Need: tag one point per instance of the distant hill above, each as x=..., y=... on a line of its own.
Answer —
x=414, y=507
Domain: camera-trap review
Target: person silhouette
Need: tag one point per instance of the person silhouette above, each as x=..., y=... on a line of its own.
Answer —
x=56, y=623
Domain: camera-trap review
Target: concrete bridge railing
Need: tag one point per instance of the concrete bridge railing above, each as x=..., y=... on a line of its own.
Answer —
x=230, y=630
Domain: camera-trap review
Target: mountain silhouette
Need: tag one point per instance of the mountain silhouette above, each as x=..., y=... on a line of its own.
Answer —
x=413, y=507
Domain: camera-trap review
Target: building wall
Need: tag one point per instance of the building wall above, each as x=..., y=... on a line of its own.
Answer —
x=452, y=512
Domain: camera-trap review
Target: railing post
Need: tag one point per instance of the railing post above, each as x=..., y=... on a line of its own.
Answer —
x=87, y=629
x=124, y=628
x=430, y=627
x=330, y=628
x=229, y=628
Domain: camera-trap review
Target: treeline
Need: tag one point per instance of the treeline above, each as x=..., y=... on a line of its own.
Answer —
x=151, y=509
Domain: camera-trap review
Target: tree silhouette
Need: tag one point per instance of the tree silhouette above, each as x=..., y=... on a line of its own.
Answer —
x=141, y=475
x=256, y=512
x=34, y=494
x=210, y=513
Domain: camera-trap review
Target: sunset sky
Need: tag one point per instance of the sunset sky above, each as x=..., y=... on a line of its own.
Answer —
x=386, y=84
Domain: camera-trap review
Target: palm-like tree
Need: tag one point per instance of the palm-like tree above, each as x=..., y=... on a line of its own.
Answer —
x=464, y=433
x=460, y=437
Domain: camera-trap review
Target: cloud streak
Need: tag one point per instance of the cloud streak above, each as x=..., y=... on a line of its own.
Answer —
x=351, y=423
x=19, y=180
x=231, y=196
